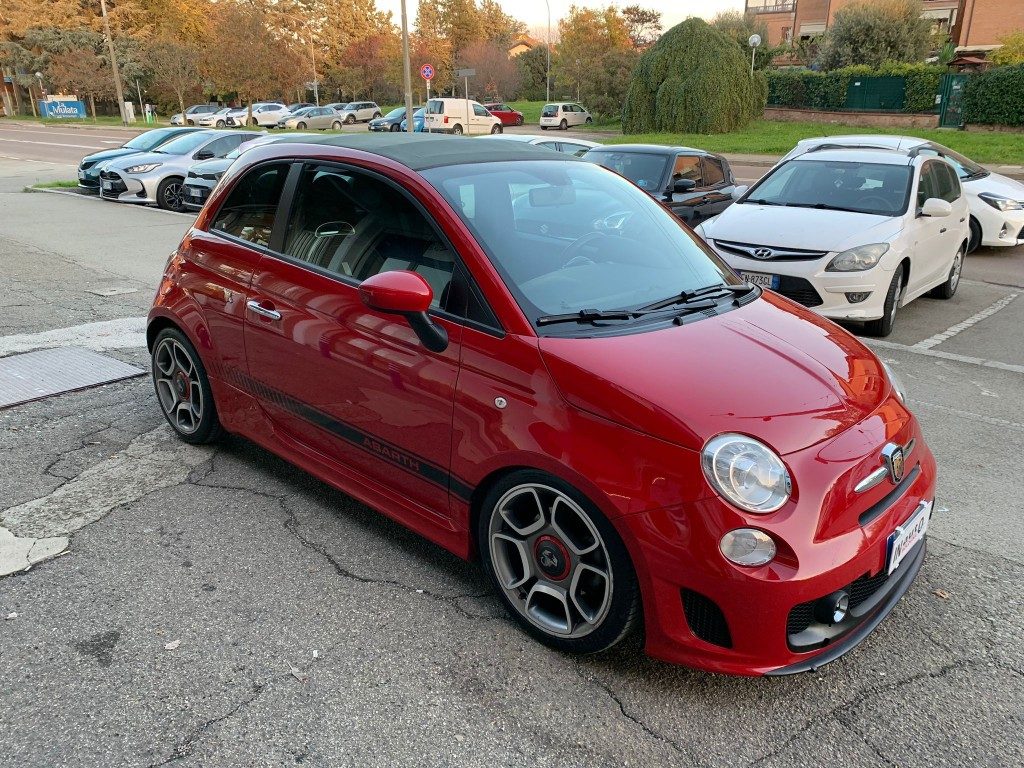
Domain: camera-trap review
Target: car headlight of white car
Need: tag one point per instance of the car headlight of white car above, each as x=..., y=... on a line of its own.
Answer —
x=858, y=259
x=749, y=474
x=1001, y=203
x=144, y=168
x=894, y=380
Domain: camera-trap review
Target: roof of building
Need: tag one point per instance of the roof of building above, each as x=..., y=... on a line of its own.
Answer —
x=419, y=151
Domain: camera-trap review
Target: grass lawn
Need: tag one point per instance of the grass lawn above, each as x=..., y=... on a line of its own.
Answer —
x=764, y=137
x=56, y=185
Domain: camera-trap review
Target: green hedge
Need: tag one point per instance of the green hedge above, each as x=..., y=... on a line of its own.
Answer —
x=804, y=89
x=995, y=97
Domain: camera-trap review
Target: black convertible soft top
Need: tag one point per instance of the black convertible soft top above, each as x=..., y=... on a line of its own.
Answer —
x=419, y=151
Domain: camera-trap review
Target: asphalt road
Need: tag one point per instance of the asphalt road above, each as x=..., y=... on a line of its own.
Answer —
x=217, y=607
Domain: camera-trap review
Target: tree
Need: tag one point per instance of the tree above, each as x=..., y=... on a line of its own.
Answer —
x=739, y=27
x=175, y=69
x=81, y=72
x=533, y=68
x=643, y=24
x=873, y=32
x=693, y=80
x=594, y=44
x=497, y=76
x=1011, y=51
x=498, y=27
x=461, y=23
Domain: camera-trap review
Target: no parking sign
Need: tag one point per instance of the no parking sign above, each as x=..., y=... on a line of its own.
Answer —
x=427, y=72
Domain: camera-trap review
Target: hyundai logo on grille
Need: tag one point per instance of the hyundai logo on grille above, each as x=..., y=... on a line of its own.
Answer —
x=763, y=253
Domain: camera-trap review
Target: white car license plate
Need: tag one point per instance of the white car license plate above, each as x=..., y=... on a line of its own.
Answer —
x=903, y=539
x=107, y=185
x=194, y=192
x=761, y=280
x=81, y=175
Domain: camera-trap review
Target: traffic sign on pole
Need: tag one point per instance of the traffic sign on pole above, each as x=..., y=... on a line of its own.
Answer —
x=427, y=72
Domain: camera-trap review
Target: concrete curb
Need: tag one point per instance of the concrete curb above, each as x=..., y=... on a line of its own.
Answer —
x=97, y=199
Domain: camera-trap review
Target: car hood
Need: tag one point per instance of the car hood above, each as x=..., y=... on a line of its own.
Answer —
x=770, y=369
x=803, y=228
x=996, y=184
x=141, y=158
x=109, y=154
x=217, y=165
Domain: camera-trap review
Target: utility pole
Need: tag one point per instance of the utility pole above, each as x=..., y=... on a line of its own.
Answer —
x=547, y=74
x=406, y=73
x=113, y=63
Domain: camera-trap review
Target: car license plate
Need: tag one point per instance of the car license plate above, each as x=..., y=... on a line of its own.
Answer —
x=194, y=192
x=906, y=536
x=107, y=185
x=761, y=280
x=81, y=175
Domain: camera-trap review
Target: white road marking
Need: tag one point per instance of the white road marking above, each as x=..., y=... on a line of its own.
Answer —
x=98, y=199
x=124, y=333
x=994, y=421
x=916, y=350
x=952, y=331
x=61, y=131
x=49, y=143
x=41, y=162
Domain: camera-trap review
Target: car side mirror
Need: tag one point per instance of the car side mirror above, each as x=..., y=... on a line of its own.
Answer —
x=203, y=154
x=682, y=186
x=739, y=191
x=935, y=208
x=401, y=292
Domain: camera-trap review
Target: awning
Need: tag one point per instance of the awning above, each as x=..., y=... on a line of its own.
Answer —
x=812, y=29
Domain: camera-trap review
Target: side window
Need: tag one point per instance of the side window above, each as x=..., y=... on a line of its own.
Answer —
x=688, y=167
x=714, y=173
x=357, y=226
x=248, y=212
x=928, y=185
x=950, y=187
x=223, y=145
x=479, y=111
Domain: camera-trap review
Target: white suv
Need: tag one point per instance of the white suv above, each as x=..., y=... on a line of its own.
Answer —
x=358, y=111
x=852, y=233
x=997, y=202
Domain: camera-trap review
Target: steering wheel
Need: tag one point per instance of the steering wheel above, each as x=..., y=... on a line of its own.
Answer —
x=572, y=258
x=880, y=202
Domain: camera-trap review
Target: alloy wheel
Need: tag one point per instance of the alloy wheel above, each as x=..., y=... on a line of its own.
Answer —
x=550, y=560
x=896, y=300
x=173, y=196
x=177, y=386
x=958, y=265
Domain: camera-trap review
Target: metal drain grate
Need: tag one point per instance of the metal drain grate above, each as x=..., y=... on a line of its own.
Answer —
x=35, y=375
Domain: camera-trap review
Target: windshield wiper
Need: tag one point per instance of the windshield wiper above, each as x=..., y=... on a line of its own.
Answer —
x=689, y=298
x=762, y=201
x=827, y=207
x=586, y=316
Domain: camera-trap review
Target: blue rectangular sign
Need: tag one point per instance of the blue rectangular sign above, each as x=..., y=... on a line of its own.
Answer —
x=62, y=109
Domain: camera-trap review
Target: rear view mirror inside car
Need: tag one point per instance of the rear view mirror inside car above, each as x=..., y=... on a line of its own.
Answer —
x=549, y=197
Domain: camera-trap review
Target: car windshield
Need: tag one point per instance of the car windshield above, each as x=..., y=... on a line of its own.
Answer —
x=396, y=113
x=150, y=139
x=303, y=111
x=875, y=188
x=550, y=110
x=646, y=170
x=570, y=236
x=185, y=144
x=965, y=167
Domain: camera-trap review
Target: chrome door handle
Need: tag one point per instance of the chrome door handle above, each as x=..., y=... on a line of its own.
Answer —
x=255, y=306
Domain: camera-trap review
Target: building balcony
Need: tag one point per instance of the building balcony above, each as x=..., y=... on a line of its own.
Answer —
x=770, y=6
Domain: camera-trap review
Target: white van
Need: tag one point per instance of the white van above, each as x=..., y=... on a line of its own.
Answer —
x=459, y=116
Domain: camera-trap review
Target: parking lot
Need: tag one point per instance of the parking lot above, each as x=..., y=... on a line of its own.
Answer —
x=216, y=606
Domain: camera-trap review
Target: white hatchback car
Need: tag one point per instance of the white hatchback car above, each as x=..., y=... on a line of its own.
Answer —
x=852, y=233
x=996, y=202
x=564, y=116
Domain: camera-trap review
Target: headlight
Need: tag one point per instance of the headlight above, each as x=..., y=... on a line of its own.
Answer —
x=1000, y=202
x=145, y=168
x=747, y=473
x=748, y=547
x=897, y=385
x=858, y=259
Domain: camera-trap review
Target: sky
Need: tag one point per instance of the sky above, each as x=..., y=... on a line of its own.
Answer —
x=534, y=12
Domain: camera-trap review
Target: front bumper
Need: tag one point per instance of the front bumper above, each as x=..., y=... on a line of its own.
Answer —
x=999, y=229
x=125, y=188
x=195, y=193
x=702, y=611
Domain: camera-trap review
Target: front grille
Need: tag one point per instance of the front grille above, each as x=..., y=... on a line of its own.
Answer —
x=706, y=619
x=117, y=185
x=747, y=250
x=800, y=618
x=195, y=195
x=799, y=290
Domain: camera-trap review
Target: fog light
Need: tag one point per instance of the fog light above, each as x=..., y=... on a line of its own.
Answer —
x=832, y=609
x=747, y=547
x=857, y=298
x=1004, y=232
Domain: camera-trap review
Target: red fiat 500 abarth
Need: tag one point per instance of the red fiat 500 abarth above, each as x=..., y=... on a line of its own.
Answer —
x=526, y=359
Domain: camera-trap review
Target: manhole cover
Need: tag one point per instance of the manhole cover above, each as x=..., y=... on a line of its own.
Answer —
x=34, y=375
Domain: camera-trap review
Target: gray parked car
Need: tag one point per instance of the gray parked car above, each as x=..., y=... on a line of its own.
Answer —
x=158, y=177
x=320, y=118
x=359, y=111
x=193, y=113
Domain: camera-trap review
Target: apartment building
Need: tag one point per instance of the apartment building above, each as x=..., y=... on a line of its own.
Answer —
x=971, y=24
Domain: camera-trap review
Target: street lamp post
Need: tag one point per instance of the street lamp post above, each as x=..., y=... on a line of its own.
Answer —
x=547, y=74
x=113, y=63
x=406, y=73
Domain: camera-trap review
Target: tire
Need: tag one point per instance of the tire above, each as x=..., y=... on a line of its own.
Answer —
x=564, y=125
x=543, y=127
x=336, y=125
x=375, y=116
x=590, y=121
x=350, y=119
x=169, y=194
x=184, y=396
x=948, y=289
x=190, y=122
x=975, y=240
x=300, y=126
x=884, y=325
x=396, y=127
x=519, y=119
x=497, y=129
x=220, y=124
x=457, y=130
x=253, y=123
x=589, y=620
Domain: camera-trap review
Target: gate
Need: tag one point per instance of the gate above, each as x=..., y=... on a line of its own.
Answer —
x=952, y=95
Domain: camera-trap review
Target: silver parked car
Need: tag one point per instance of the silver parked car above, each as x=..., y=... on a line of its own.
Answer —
x=192, y=114
x=216, y=119
x=158, y=176
x=359, y=111
x=319, y=118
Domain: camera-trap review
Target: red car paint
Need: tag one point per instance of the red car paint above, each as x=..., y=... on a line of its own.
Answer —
x=416, y=434
x=506, y=114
